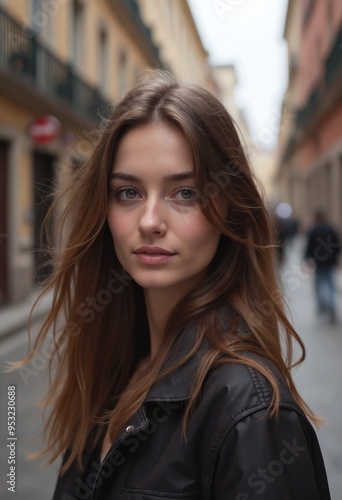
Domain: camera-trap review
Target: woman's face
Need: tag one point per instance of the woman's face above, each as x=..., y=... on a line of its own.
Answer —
x=152, y=203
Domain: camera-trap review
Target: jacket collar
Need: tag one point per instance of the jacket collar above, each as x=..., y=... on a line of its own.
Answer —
x=179, y=384
x=174, y=388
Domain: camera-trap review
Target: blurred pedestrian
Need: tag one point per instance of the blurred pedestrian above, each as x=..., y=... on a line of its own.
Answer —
x=323, y=247
x=171, y=380
x=280, y=234
x=286, y=228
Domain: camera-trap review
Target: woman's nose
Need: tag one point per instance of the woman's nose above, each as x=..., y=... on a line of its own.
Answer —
x=153, y=220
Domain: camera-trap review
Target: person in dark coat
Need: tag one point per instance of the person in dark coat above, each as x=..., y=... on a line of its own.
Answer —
x=323, y=247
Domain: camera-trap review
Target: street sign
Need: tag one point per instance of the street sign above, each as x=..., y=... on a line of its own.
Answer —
x=45, y=129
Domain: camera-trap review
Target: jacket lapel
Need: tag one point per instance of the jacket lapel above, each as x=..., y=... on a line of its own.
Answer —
x=178, y=385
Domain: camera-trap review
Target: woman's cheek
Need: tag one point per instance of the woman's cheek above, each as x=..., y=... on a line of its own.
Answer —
x=117, y=225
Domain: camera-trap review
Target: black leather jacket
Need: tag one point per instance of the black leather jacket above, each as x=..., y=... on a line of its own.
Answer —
x=231, y=451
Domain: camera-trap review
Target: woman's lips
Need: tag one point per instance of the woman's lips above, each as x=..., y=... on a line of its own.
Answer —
x=153, y=258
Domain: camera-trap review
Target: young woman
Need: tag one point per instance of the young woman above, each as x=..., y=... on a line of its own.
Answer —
x=170, y=376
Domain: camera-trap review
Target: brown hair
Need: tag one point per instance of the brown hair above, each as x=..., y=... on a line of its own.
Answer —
x=99, y=301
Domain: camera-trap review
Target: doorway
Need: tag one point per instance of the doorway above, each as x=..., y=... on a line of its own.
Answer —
x=3, y=222
x=44, y=181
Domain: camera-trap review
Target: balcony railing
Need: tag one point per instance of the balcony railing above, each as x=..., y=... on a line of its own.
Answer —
x=333, y=70
x=333, y=62
x=328, y=84
x=146, y=31
x=307, y=11
x=22, y=53
x=304, y=114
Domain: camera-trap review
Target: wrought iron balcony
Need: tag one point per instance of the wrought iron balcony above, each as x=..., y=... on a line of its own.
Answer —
x=304, y=114
x=307, y=11
x=323, y=97
x=320, y=93
x=333, y=64
x=23, y=54
x=147, y=32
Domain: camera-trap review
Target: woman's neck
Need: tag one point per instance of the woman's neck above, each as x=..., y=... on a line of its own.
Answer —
x=159, y=303
x=158, y=306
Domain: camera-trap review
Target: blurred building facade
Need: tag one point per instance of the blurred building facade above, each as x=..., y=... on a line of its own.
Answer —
x=264, y=164
x=63, y=64
x=310, y=140
x=262, y=159
x=226, y=78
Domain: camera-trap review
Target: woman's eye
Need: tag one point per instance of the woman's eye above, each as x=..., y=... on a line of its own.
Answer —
x=126, y=194
x=186, y=194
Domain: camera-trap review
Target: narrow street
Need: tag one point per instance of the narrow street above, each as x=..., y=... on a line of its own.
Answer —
x=319, y=380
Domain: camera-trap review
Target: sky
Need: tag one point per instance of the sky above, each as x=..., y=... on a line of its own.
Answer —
x=249, y=34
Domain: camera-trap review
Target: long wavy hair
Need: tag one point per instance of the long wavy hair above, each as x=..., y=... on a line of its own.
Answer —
x=98, y=319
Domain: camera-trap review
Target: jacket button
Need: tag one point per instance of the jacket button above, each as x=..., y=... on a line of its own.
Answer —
x=130, y=428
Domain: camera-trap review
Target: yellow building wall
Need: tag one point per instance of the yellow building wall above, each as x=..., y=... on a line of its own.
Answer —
x=55, y=31
x=16, y=119
x=175, y=33
x=18, y=9
x=172, y=25
x=117, y=40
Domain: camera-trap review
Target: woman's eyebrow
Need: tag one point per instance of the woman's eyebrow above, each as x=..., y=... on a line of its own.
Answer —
x=166, y=178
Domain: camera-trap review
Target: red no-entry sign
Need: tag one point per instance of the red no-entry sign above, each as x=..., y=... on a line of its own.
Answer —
x=44, y=129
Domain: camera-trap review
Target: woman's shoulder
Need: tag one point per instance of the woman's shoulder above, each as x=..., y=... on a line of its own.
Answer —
x=242, y=436
x=243, y=389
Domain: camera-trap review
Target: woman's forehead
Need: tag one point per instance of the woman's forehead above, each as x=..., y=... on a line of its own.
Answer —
x=158, y=147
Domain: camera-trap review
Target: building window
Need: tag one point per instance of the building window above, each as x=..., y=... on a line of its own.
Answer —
x=330, y=18
x=77, y=29
x=340, y=176
x=35, y=14
x=42, y=20
x=122, y=72
x=308, y=9
x=103, y=60
x=318, y=48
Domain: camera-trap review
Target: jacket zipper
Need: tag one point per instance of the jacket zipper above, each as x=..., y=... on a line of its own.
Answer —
x=114, y=446
x=109, y=454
